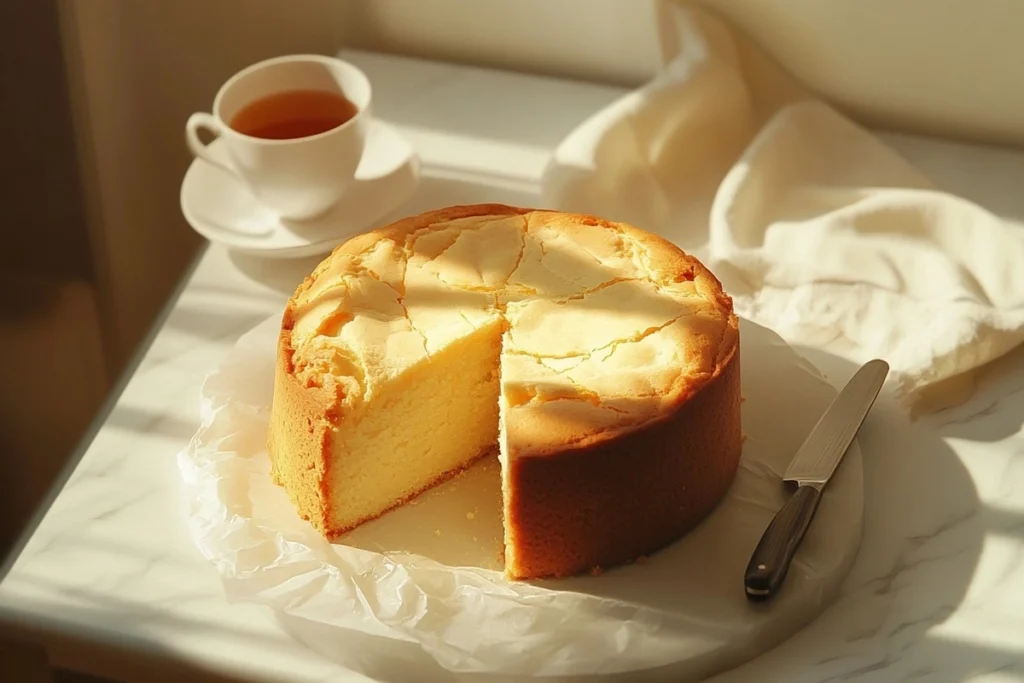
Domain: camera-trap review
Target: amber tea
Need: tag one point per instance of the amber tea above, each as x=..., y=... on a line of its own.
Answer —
x=293, y=114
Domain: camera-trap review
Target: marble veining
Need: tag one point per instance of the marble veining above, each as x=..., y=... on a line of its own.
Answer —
x=936, y=593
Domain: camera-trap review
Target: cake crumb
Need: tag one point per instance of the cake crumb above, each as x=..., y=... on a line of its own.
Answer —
x=470, y=515
x=743, y=438
x=474, y=539
x=596, y=570
x=437, y=532
x=642, y=559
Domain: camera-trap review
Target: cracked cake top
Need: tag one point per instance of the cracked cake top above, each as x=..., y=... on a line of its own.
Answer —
x=607, y=327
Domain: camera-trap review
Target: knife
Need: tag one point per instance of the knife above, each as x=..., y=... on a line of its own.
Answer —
x=810, y=469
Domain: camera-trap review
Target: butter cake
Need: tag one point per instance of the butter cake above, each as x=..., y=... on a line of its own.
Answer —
x=600, y=360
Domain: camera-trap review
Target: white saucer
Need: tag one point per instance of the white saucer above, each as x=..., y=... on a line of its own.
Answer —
x=221, y=209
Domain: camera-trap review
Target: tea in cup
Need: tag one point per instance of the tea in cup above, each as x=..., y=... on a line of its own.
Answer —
x=294, y=129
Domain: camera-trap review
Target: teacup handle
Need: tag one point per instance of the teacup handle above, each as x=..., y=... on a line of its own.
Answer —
x=197, y=122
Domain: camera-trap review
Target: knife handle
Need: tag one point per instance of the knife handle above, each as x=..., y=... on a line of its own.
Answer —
x=770, y=560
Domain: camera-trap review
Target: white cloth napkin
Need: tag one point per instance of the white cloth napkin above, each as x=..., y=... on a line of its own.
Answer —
x=816, y=228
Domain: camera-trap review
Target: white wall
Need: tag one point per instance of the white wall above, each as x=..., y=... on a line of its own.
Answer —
x=947, y=66
x=602, y=40
x=951, y=67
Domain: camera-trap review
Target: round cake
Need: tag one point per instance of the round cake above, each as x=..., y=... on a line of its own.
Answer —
x=601, y=361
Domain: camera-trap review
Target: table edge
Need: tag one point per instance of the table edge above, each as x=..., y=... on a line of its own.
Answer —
x=101, y=416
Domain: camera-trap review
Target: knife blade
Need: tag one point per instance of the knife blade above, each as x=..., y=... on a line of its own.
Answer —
x=810, y=469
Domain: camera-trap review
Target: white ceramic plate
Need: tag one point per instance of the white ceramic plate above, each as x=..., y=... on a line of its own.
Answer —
x=220, y=208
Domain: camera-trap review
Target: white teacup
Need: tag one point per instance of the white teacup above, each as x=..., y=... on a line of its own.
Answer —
x=299, y=177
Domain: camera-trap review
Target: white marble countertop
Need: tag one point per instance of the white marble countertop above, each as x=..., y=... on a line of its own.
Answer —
x=110, y=583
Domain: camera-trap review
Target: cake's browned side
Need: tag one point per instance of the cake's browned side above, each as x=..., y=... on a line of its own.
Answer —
x=624, y=498
x=299, y=438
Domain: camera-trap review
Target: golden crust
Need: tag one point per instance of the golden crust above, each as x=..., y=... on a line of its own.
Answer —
x=537, y=433
x=298, y=440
